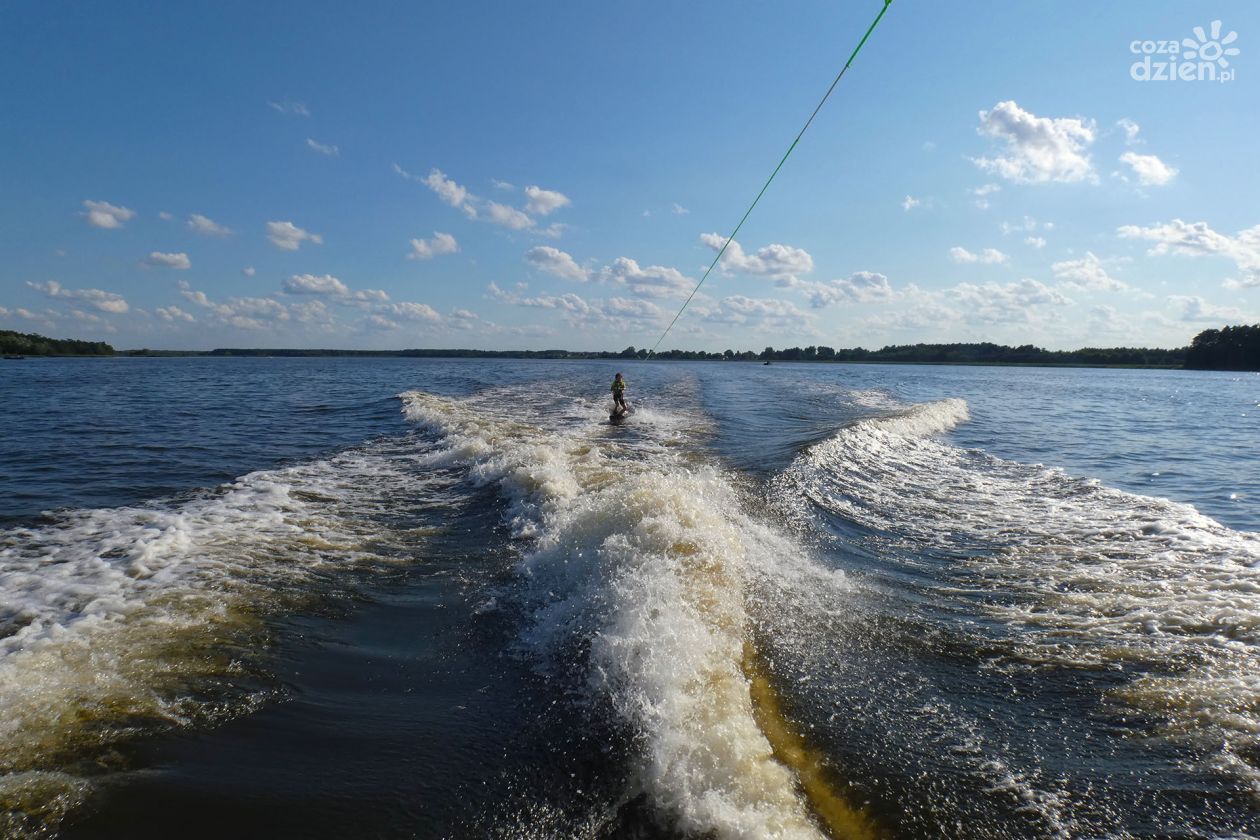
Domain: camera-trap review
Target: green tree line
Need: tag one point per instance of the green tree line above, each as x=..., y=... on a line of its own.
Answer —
x=31, y=344
x=1229, y=348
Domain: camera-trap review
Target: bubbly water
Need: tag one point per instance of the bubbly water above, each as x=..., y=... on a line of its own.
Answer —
x=390, y=597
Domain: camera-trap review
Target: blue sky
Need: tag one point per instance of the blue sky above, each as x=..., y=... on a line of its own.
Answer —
x=550, y=174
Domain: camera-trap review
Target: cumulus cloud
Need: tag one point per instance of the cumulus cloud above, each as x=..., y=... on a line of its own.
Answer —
x=426, y=249
x=584, y=314
x=311, y=284
x=502, y=185
x=328, y=286
x=173, y=313
x=1035, y=241
x=248, y=313
x=508, y=217
x=910, y=202
x=1037, y=150
x=206, y=226
x=645, y=281
x=678, y=209
x=989, y=256
x=1149, y=169
x=544, y=202
x=991, y=303
x=289, y=237
x=413, y=312
x=859, y=287
x=555, y=262
x=249, y=271
x=755, y=313
x=1086, y=274
x=102, y=214
x=102, y=300
x=159, y=259
x=322, y=148
x=775, y=261
x=450, y=192
x=1197, y=239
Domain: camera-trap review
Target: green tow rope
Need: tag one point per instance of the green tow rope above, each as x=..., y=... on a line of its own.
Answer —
x=748, y=212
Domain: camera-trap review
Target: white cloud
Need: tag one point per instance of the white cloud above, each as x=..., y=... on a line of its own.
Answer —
x=164, y=216
x=646, y=281
x=989, y=256
x=450, y=192
x=174, y=313
x=102, y=214
x=1149, y=169
x=982, y=194
x=508, y=217
x=1004, y=303
x=380, y=322
x=1131, y=130
x=1086, y=274
x=104, y=301
x=441, y=243
x=241, y=313
x=1035, y=241
x=909, y=203
x=322, y=148
x=543, y=202
x=294, y=109
x=584, y=314
x=249, y=271
x=178, y=261
x=1037, y=150
x=413, y=312
x=555, y=262
x=502, y=185
x=553, y=230
x=859, y=287
x=1196, y=309
x=756, y=313
x=1197, y=239
x=311, y=284
x=678, y=209
x=209, y=227
x=289, y=237
x=776, y=261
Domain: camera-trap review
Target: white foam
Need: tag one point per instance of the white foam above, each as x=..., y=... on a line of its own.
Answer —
x=112, y=616
x=637, y=574
x=1085, y=574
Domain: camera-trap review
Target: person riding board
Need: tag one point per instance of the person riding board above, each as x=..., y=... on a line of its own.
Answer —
x=619, y=395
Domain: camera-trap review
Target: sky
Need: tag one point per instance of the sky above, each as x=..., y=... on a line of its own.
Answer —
x=386, y=175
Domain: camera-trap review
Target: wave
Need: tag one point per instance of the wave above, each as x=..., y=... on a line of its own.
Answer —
x=634, y=581
x=123, y=621
x=1080, y=574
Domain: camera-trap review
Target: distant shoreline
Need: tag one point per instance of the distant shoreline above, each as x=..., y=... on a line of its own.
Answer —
x=579, y=357
x=1230, y=348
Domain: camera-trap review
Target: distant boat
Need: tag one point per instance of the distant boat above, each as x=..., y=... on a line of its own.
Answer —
x=763, y=364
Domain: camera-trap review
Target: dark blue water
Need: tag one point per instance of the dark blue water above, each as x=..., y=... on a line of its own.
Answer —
x=1001, y=602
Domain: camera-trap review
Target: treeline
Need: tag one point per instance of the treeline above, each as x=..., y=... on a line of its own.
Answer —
x=1231, y=348
x=30, y=344
x=983, y=353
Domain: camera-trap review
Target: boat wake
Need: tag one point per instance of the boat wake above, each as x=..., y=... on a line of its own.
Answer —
x=634, y=581
x=1079, y=574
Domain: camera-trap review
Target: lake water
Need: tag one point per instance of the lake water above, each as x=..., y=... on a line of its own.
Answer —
x=446, y=598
